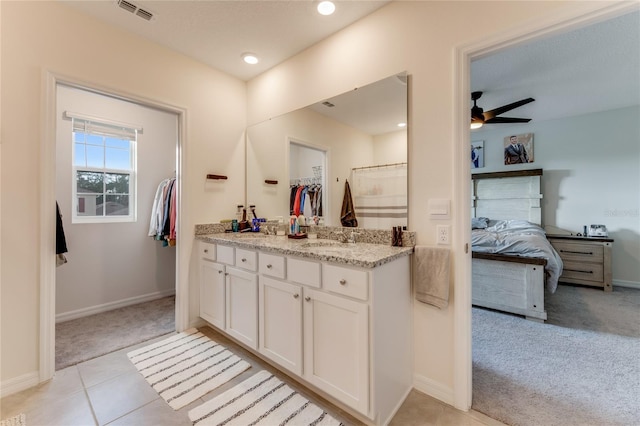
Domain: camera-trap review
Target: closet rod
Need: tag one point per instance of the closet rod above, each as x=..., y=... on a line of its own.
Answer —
x=380, y=165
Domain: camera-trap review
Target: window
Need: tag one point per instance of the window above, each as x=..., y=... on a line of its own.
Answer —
x=104, y=172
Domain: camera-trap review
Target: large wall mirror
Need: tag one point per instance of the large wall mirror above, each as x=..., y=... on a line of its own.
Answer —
x=359, y=136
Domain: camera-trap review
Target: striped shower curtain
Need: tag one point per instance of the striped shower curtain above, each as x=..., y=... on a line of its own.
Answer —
x=380, y=195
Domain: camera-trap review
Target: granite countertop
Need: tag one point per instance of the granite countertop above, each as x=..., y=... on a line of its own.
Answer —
x=364, y=255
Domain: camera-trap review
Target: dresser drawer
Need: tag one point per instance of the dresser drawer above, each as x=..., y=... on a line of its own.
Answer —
x=583, y=271
x=345, y=281
x=225, y=254
x=303, y=272
x=579, y=252
x=247, y=259
x=207, y=251
x=271, y=265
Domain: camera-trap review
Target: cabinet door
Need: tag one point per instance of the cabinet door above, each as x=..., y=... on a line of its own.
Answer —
x=336, y=347
x=280, y=322
x=242, y=306
x=212, y=291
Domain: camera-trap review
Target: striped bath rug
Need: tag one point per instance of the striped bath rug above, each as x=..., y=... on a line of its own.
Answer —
x=19, y=420
x=262, y=399
x=186, y=366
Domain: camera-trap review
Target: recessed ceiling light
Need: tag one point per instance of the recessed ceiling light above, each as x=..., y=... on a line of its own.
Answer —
x=402, y=124
x=326, y=8
x=250, y=58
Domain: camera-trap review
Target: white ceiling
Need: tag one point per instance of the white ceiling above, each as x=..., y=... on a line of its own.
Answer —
x=217, y=33
x=591, y=69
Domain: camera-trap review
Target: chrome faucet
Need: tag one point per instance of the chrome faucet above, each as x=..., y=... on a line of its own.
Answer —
x=352, y=237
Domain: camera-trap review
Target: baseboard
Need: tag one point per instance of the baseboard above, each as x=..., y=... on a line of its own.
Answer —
x=627, y=284
x=397, y=407
x=91, y=310
x=434, y=389
x=19, y=383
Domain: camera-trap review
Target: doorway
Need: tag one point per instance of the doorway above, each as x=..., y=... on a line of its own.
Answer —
x=116, y=295
x=464, y=54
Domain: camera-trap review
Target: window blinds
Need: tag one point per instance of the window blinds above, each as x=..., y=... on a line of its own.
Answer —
x=103, y=127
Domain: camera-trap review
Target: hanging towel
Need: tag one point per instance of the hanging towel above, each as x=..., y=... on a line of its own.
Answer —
x=348, y=214
x=431, y=275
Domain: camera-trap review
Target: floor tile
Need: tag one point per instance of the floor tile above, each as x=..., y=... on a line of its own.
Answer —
x=418, y=409
x=121, y=395
x=104, y=368
x=157, y=413
x=65, y=382
x=70, y=410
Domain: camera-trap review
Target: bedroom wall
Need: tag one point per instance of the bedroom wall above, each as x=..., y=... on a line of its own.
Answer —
x=591, y=166
x=114, y=264
x=48, y=36
x=390, y=147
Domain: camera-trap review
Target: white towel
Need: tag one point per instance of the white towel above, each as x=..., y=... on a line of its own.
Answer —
x=431, y=275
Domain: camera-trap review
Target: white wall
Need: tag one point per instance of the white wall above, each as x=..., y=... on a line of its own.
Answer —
x=591, y=175
x=113, y=262
x=389, y=148
x=419, y=37
x=48, y=36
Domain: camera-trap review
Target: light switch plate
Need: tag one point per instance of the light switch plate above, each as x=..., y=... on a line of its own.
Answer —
x=439, y=208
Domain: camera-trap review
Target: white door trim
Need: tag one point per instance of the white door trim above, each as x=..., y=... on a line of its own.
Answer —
x=560, y=22
x=50, y=80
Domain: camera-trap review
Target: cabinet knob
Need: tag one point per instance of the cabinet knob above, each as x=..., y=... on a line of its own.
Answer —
x=244, y=260
x=220, y=272
x=308, y=299
x=343, y=281
x=226, y=274
x=295, y=296
x=206, y=250
x=269, y=266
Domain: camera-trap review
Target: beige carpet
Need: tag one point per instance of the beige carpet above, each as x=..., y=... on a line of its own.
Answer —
x=86, y=338
x=579, y=369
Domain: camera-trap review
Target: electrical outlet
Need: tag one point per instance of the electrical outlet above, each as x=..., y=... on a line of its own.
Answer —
x=443, y=234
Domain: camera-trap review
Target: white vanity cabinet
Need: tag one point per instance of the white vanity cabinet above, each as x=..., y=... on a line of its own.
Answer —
x=212, y=286
x=336, y=347
x=344, y=330
x=242, y=306
x=280, y=307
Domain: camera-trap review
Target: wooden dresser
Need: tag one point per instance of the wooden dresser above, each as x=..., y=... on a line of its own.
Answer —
x=587, y=260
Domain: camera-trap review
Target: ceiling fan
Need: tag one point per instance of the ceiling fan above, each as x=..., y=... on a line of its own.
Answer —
x=479, y=117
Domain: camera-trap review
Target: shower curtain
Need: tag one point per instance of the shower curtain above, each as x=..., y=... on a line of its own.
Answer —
x=380, y=195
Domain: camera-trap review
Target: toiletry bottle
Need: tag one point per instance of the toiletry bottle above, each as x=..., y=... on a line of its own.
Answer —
x=253, y=211
x=239, y=212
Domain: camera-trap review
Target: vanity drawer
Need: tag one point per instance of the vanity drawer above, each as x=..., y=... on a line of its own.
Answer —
x=303, y=272
x=247, y=259
x=579, y=252
x=583, y=271
x=345, y=281
x=225, y=254
x=207, y=251
x=271, y=265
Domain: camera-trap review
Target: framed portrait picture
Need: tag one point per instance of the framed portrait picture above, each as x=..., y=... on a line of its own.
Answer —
x=518, y=149
x=477, y=154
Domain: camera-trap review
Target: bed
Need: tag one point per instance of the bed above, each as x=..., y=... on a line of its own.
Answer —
x=512, y=259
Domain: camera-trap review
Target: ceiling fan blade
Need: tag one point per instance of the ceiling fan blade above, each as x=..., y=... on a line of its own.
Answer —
x=506, y=120
x=501, y=110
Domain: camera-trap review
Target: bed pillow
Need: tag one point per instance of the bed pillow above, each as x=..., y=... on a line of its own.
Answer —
x=479, y=222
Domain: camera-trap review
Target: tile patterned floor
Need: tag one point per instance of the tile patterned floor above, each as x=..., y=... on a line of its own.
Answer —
x=109, y=391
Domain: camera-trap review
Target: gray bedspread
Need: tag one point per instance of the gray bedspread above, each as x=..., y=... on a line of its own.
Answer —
x=521, y=238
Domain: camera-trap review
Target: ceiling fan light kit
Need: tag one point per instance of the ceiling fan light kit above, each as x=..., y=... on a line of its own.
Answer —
x=479, y=117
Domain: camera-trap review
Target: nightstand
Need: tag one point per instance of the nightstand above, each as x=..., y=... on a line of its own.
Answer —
x=587, y=260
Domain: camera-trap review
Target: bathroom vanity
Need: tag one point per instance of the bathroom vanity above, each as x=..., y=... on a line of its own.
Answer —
x=335, y=316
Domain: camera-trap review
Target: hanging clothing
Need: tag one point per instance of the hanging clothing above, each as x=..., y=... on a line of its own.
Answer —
x=61, y=240
x=162, y=224
x=347, y=213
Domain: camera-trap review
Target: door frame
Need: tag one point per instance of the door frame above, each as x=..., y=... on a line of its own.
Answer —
x=560, y=22
x=50, y=81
